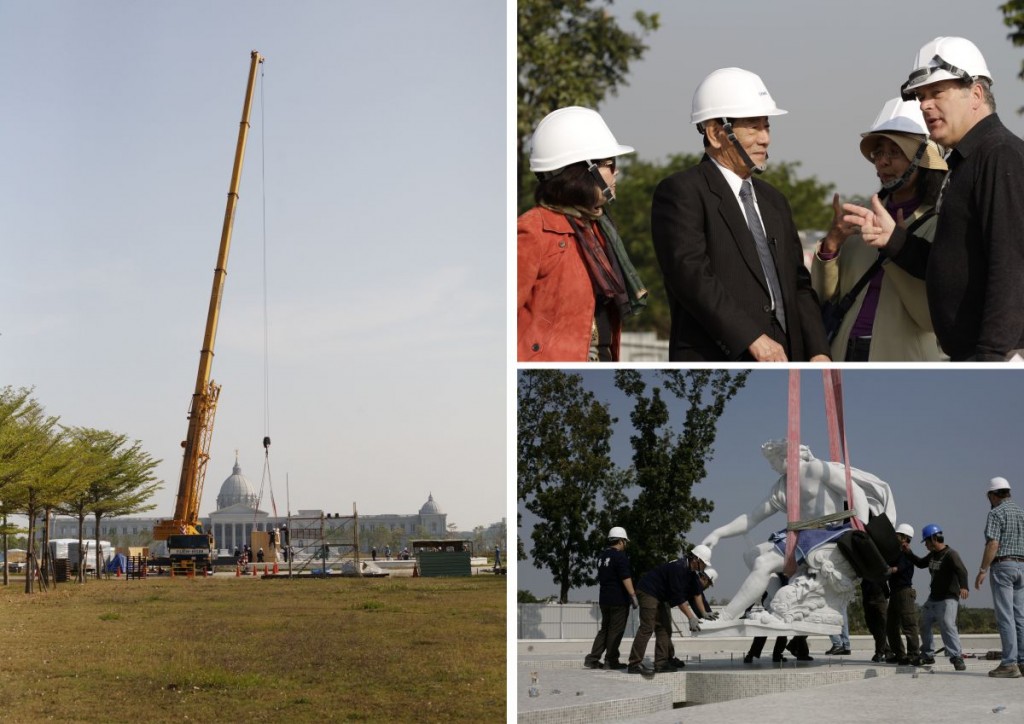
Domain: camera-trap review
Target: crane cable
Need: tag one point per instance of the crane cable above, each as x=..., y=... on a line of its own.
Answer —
x=267, y=479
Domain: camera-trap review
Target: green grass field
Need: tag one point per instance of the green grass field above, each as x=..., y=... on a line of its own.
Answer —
x=228, y=649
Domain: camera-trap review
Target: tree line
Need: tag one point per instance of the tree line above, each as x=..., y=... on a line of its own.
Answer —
x=567, y=479
x=47, y=468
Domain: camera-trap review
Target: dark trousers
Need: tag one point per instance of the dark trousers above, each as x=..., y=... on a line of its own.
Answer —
x=874, y=617
x=609, y=636
x=654, y=619
x=757, y=646
x=902, y=617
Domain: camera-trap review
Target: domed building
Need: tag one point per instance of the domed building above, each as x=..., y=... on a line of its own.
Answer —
x=238, y=515
x=236, y=490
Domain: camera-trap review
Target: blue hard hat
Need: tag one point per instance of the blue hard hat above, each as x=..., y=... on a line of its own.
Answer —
x=929, y=530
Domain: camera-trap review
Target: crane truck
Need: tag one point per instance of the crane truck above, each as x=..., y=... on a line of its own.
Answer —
x=189, y=547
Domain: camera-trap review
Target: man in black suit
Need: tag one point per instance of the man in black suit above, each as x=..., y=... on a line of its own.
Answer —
x=726, y=242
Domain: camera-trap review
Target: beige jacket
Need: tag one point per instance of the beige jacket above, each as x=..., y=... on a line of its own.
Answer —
x=902, y=331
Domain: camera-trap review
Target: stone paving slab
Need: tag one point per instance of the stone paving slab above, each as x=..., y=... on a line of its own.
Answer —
x=833, y=689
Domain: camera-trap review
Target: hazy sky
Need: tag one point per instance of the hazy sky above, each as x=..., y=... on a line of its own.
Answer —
x=384, y=129
x=831, y=65
x=936, y=437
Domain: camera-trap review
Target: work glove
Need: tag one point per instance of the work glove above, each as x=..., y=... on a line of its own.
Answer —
x=633, y=601
x=710, y=616
x=694, y=625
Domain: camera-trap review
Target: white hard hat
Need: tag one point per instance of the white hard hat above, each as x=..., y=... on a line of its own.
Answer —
x=732, y=93
x=569, y=135
x=945, y=58
x=711, y=573
x=903, y=123
x=900, y=116
x=998, y=484
x=703, y=553
x=904, y=529
x=618, y=532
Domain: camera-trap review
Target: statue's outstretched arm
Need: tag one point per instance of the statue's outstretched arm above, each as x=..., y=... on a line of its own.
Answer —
x=741, y=523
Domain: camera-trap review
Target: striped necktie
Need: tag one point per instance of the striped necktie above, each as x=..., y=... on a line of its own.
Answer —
x=764, y=253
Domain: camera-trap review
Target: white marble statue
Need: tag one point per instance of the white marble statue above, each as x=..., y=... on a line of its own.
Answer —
x=825, y=580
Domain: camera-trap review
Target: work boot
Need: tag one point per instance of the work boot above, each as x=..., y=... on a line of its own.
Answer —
x=1021, y=667
x=748, y=658
x=836, y=648
x=615, y=665
x=1006, y=671
x=679, y=664
x=591, y=664
x=923, y=660
x=779, y=659
x=877, y=658
x=665, y=668
x=959, y=664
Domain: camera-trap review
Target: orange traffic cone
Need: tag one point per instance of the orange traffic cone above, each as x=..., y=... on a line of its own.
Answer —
x=415, y=571
x=254, y=571
x=118, y=569
x=172, y=570
x=238, y=570
x=265, y=569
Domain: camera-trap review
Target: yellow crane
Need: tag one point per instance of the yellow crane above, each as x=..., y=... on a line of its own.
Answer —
x=188, y=546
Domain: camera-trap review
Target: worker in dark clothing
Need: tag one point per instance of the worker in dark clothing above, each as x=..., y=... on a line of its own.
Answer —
x=674, y=584
x=949, y=585
x=901, y=615
x=617, y=594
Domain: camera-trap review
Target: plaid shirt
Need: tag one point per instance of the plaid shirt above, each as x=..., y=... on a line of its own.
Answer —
x=1005, y=523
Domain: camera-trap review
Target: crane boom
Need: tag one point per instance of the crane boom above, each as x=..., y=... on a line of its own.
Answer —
x=185, y=522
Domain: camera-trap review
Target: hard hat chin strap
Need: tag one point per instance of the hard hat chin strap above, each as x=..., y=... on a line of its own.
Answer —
x=602, y=186
x=936, y=63
x=899, y=183
x=727, y=127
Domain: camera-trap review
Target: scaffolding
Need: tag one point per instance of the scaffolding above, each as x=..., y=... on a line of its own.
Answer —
x=311, y=541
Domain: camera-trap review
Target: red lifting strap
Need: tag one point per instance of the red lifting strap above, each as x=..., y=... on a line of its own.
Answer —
x=838, y=451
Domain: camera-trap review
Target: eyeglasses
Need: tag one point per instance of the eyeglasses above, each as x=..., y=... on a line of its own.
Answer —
x=878, y=154
x=606, y=163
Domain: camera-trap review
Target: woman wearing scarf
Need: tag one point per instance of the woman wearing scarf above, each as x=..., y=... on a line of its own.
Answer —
x=575, y=282
x=884, y=310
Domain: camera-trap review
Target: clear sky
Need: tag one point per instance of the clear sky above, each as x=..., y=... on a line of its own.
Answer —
x=378, y=143
x=831, y=65
x=936, y=437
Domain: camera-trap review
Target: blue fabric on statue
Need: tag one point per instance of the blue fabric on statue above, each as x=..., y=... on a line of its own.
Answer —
x=808, y=540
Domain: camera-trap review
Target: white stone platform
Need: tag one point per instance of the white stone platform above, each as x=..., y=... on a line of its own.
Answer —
x=716, y=686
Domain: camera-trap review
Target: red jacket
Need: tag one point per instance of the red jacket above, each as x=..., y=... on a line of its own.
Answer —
x=555, y=295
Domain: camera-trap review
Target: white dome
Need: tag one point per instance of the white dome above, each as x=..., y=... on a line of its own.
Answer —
x=236, y=489
x=430, y=507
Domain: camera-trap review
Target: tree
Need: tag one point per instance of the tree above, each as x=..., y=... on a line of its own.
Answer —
x=565, y=475
x=668, y=461
x=95, y=451
x=570, y=52
x=124, y=487
x=1013, y=17
x=810, y=200
x=36, y=441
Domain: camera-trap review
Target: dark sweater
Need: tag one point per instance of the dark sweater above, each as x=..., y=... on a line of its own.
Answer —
x=949, y=574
